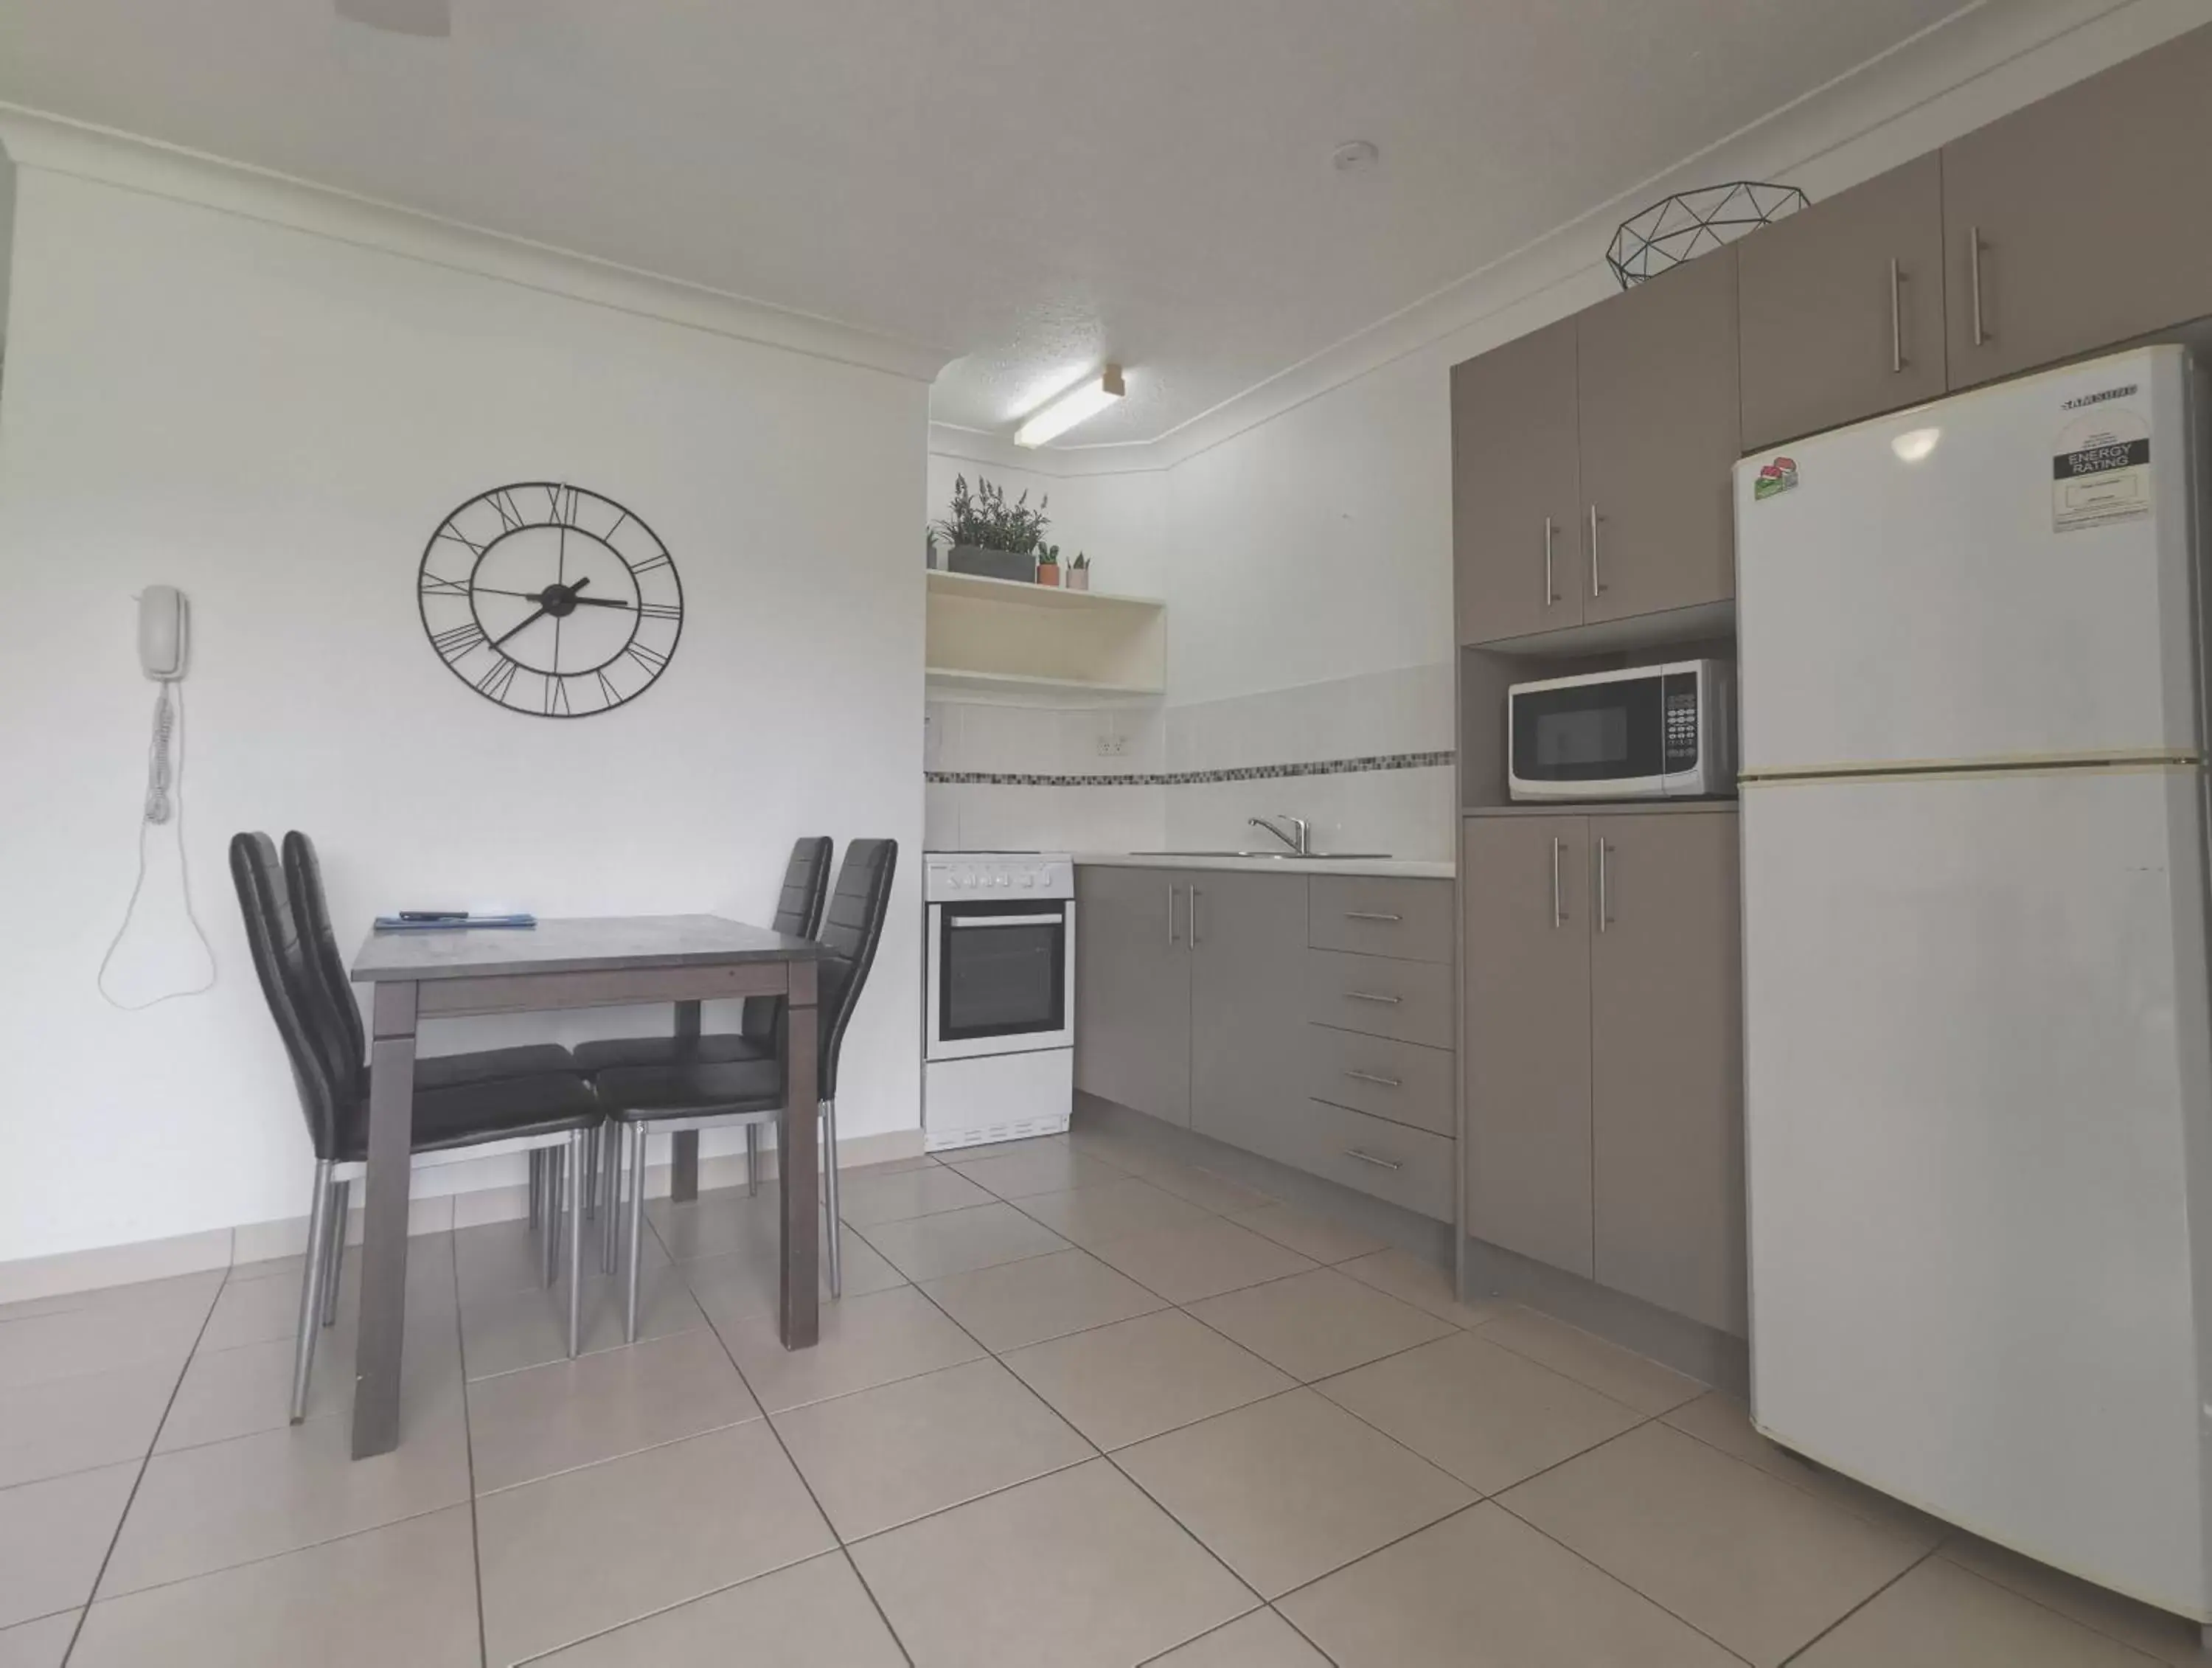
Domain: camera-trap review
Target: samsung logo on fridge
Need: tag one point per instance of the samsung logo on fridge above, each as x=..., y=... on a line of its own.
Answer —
x=2080, y=400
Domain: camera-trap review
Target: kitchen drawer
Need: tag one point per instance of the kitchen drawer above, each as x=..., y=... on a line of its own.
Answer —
x=1408, y=1167
x=1411, y=1000
x=1409, y=919
x=1404, y=1082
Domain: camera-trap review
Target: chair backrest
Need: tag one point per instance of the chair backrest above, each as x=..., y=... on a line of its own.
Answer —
x=798, y=913
x=851, y=931
x=311, y=913
x=318, y=1067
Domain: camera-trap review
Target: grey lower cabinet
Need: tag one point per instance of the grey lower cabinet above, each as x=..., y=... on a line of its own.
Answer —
x=1133, y=970
x=1604, y=1050
x=1247, y=950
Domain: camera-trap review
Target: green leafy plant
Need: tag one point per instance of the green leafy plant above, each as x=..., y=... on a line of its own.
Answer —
x=1081, y=562
x=985, y=518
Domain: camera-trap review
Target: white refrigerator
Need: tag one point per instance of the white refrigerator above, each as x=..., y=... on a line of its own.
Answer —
x=1978, y=1076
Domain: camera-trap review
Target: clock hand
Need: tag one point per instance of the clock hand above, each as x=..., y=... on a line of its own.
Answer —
x=539, y=613
x=598, y=602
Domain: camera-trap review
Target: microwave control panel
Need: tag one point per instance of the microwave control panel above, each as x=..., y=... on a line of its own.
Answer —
x=1680, y=703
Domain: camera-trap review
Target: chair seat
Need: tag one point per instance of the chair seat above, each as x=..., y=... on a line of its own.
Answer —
x=447, y=1071
x=468, y=1115
x=643, y=1094
x=717, y=1050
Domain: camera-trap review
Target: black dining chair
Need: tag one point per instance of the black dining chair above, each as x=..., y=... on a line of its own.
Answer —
x=331, y=1077
x=798, y=915
x=699, y=1094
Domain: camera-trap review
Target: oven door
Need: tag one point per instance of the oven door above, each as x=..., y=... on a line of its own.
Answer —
x=1001, y=978
x=1589, y=738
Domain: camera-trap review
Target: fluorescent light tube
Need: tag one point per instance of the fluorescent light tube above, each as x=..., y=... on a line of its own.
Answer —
x=1061, y=413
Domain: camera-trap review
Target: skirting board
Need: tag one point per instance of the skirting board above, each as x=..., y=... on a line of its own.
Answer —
x=34, y=1277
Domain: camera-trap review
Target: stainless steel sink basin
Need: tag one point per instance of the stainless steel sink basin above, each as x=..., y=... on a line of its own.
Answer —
x=1279, y=857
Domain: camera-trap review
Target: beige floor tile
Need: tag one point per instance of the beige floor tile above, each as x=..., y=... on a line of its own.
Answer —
x=715, y=1224
x=40, y=1643
x=1483, y=1590
x=1289, y=1488
x=1939, y=1616
x=53, y=1534
x=1315, y=1324
x=236, y=1392
x=1014, y=1304
x=1424, y=1285
x=1485, y=1414
x=1077, y=1569
x=1186, y=1265
x=207, y=1508
x=61, y=1425
x=1626, y=1376
x=1317, y=1237
x=2158, y=1633
x=574, y=1554
x=1262, y=1639
x=1120, y=1383
x=929, y=1247
x=865, y=1342
x=1742, y=1556
x=263, y=1310
x=746, y=1282
x=1091, y=1216
x=199, y=1288
x=1208, y=1191
x=511, y=1331
x=155, y=1332
x=1722, y=1420
x=1123, y=1152
x=904, y=1195
x=498, y=1258
x=531, y=1424
x=887, y=1456
x=406, y=1594
x=814, y=1614
x=1048, y=1167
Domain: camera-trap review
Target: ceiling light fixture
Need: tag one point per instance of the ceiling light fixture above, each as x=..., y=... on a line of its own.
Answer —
x=1077, y=404
x=1354, y=154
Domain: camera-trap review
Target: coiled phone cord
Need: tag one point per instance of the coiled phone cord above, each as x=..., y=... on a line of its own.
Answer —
x=164, y=799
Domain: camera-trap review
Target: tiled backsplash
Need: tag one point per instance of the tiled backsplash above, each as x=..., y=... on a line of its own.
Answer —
x=1366, y=760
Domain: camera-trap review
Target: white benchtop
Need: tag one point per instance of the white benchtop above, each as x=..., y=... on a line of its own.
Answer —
x=1401, y=868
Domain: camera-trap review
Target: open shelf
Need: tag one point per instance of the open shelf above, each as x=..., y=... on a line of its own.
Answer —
x=1009, y=641
x=1021, y=593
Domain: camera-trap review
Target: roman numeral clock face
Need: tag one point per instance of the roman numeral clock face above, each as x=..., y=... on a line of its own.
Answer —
x=551, y=600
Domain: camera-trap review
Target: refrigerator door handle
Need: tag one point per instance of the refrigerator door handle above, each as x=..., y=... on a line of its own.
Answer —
x=1559, y=906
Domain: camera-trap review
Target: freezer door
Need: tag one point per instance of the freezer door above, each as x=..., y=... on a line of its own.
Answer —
x=1913, y=598
x=1977, y=1100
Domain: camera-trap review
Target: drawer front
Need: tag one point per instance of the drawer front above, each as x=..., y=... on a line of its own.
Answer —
x=1409, y=919
x=1410, y=1001
x=1408, y=1167
x=1404, y=1082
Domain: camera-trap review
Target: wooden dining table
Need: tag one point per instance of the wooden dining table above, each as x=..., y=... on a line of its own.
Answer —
x=593, y=961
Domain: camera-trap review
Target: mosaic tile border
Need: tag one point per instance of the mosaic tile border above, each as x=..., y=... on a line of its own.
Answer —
x=1322, y=767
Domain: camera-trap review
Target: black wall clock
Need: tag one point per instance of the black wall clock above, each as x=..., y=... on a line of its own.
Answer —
x=551, y=600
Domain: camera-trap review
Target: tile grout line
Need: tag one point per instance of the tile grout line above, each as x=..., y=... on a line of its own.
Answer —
x=1798, y=1653
x=469, y=1451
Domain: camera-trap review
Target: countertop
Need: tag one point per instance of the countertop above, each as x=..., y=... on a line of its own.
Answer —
x=1405, y=868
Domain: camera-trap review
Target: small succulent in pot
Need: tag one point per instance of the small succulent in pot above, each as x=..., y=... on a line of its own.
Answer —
x=1079, y=573
x=1047, y=572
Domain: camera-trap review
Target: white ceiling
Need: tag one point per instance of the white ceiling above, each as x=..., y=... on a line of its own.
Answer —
x=1032, y=184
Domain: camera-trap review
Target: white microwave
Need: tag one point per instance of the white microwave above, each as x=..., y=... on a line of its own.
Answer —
x=1642, y=733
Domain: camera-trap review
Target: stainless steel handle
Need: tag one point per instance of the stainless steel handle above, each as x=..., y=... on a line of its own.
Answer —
x=1896, y=320
x=1004, y=921
x=1370, y=1157
x=1372, y=914
x=1551, y=587
x=1372, y=996
x=1374, y=1077
x=1194, y=917
x=1559, y=903
x=1171, y=892
x=1974, y=266
x=1602, y=906
x=1596, y=584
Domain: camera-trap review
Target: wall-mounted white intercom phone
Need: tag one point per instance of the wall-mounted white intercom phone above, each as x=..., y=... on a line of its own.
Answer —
x=161, y=631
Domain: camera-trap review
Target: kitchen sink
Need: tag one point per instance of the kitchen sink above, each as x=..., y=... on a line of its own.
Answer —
x=1278, y=856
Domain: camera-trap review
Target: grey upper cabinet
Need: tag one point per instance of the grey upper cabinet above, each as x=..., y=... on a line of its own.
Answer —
x=1527, y=983
x=1246, y=1006
x=1133, y=1008
x=1841, y=308
x=1661, y=427
x=1517, y=488
x=1666, y=1080
x=2083, y=220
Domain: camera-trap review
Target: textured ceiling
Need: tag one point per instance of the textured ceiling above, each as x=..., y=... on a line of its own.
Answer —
x=1032, y=184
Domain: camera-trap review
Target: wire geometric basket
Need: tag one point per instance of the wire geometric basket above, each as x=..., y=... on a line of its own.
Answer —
x=1688, y=224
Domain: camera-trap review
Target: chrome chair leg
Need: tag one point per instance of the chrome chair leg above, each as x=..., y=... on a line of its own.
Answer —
x=343, y=1192
x=313, y=1264
x=549, y=1224
x=829, y=1174
x=589, y=1187
x=636, y=1133
x=610, y=1165
x=752, y=1159
x=580, y=1195
x=537, y=1186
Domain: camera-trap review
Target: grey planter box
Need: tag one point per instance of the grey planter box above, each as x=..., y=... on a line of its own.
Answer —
x=991, y=564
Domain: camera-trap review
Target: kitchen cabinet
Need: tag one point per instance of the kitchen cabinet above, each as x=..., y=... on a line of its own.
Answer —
x=1841, y=308
x=1133, y=1010
x=1517, y=488
x=1604, y=1050
x=2085, y=219
x=1248, y=935
x=1666, y=1079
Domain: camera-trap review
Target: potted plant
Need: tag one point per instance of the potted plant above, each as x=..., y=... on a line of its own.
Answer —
x=990, y=536
x=1079, y=573
x=1049, y=565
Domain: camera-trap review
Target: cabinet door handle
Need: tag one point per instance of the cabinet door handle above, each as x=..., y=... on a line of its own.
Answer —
x=1372, y=996
x=1372, y=914
x=1604, y=906
x=1559, y=903
x=1194, y=917
x=1596, y=584
x=1551, y=588
x=1974, y=268
x=1369, y=1158
x=1374, y=1077
x=1896, y=318
x=1171, y=892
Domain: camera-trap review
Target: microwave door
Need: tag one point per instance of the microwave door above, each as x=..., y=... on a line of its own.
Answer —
x=1595, y=740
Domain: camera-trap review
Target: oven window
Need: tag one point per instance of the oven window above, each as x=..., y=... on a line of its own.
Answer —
x=1589, y=732
x=1002, y=970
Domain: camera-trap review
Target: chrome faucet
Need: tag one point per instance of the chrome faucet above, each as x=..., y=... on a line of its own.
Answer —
x=1298, y=844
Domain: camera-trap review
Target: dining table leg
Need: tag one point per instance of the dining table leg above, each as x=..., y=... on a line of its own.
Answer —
x=384, y=1220
x=798, y=1161
x=683, y=1177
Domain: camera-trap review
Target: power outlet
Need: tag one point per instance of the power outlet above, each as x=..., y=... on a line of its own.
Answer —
x=1112, y=747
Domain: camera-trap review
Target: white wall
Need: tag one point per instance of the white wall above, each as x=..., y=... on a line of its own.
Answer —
x=275, y=421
